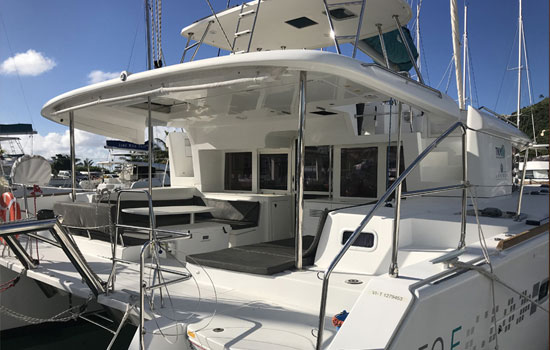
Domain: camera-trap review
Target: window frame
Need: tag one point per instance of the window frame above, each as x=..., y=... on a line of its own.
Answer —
x=253, y=167
x=289, y=175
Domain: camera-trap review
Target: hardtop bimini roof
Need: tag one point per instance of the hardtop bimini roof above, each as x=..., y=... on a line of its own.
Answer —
x=257, y=86
x=303, y=24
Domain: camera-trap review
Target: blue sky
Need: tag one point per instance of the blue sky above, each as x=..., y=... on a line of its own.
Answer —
x=64, y=41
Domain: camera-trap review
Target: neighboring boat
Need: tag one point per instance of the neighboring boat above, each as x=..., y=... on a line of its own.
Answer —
x=537, y=169
x=283, y=183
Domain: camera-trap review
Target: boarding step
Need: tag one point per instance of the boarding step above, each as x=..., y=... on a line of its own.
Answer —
x=244, y=32
x=346, y=3
x=247, y=13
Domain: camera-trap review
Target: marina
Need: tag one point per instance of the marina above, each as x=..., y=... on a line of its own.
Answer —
x=309, y=199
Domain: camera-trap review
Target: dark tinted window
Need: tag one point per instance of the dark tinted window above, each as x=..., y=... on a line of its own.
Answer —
x=317, y=169
x=358, y=172
x=274, y=171
x=365, y=239
x=238, y=171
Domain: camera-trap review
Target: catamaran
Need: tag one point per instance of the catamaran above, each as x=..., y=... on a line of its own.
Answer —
x=317, y=201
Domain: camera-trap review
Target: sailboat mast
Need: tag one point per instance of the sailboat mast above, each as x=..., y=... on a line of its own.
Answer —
x=149, y=119
x=520, y=37
x=465, y=52
x=456, y=53
x=418, y=63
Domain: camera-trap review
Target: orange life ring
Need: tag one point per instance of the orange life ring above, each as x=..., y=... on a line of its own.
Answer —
x=9, y=209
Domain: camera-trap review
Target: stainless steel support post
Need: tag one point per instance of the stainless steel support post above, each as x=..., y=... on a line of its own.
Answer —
x=462, y=242
x=331, y=26
x=383, y=45
x=150, y=146
x=394, y=269
x=518, y=210
x=26, y=260
x=73, y=159
x=202, y=40
x=190, y=35
x=409, y=52
x=330, y=171
x=79, y=262
x=142, y=286
x=359, y=28
x=301, y=154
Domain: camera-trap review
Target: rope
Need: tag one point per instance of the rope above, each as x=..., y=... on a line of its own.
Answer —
x=11, y=283
x=159, y=14
x=56, y=318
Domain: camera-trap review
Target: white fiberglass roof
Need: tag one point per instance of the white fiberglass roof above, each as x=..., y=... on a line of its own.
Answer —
x=221, y=90
x=292, y=24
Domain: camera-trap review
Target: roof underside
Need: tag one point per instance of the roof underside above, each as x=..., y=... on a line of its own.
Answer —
x=261, y=86
x=291, y=24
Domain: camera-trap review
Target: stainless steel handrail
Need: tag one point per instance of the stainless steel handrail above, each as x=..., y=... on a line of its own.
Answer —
x=114, y=242
x=366, y=220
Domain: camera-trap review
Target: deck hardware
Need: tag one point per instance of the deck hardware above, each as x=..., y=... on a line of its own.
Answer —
x=218, y=330
x=353, y=281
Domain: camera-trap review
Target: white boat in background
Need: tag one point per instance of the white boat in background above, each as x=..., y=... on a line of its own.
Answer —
x=316, y=202
x=537, y=169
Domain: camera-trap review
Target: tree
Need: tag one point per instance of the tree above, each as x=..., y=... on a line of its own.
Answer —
x=540, y=116
x=61, y=162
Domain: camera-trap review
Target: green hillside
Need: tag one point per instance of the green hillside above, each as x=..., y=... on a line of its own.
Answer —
x=540, y=113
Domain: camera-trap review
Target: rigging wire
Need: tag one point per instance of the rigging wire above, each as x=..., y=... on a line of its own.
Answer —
x=138, y=25
x=473, y=77
x=423, y=52
x=445, y=73
x=529, y=88
x=16, y=70
x=507, y=69
x=449, y=80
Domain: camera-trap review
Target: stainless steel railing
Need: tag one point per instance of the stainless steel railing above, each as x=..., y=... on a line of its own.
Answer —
x=382, y=200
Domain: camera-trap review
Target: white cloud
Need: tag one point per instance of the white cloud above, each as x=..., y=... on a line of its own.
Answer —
x=97, y=76
x=27, y=63
x=87, y=145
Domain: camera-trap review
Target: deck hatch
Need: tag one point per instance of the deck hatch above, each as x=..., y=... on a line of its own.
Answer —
x=301, y=22
x=341, y=14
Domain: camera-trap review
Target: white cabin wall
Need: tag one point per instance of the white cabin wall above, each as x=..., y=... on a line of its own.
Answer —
x=209, y=177
x=489, y=165
x=181, y=160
